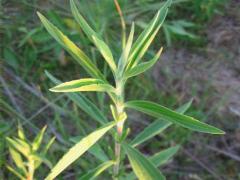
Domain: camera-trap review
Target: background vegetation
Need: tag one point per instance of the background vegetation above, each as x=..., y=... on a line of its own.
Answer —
x=200, y=60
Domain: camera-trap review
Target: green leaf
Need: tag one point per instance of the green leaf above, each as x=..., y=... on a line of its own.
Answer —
x=162, y=157
x=106, y=53
x=124, y=57
x=17, y=159
x=157, y=127
x=146, y=37
x=82, y=22
x=77, y=150
x=21, y=134
x=140, y=68
x=97, y=171
x=19, y=145
x=158, y=159
x=15, y=172
x=159, y=111
x=85, y=84
x=150, y=131
x=142, y=167
x=67, y=44
x=95, y=150
x=48, y=145
x=83, y=102
x=38, y=139
x=94, y=37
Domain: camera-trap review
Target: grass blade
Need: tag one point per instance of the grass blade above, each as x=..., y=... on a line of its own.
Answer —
x=77, y=150
x=159, y=111
x=142, y=167
x=85, y=84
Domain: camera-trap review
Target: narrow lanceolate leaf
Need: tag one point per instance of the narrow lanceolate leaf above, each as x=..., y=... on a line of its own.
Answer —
x=38, y=140
x=19, y=145
x=67, y=44
x=93, y=36
x=97, y=171
x=83, y=102
x=140, y=68
x=77, y=150
x=150, y=131
x=16, y=172
x=85, y=84
x=146, y=37
x=142, y=167
x=17, y=159
x=164, y=156
x=124, y=57
x=159, y=111
x=82, y=22
x=157, y=127
x=106, y=53
x=158, y=159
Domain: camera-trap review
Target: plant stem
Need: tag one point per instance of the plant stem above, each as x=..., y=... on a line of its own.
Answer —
x=30, y=169
x=123, y=24
x=120, y=110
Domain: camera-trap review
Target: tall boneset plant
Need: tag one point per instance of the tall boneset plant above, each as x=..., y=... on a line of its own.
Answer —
x=128, y=66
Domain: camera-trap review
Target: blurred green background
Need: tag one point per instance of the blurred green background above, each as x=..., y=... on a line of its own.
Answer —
x=200, y=60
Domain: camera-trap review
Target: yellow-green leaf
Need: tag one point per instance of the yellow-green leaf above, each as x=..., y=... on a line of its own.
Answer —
x=146, y=37
x=140, y=68
x=77, y=150
x=85, y=84
x=67, y=44
x=94, y=37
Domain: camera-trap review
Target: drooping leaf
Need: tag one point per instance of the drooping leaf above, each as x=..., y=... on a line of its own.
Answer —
x=67, y=44
x=140, y=68
x=146, y=37
x=157, y=127
x=85, y=84
x=83, y=102
x=38, y=139
x=142, y=167
x=97, y=171
x=94, y=37
x=77, y=150
x=159, y=111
